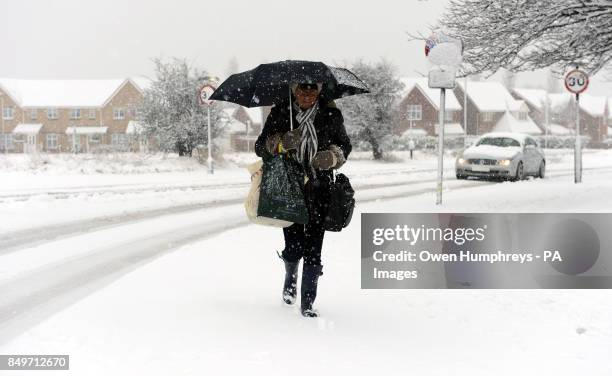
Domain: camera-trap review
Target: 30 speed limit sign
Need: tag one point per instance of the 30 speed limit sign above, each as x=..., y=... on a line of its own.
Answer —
x=205, y=93
x=576, y=81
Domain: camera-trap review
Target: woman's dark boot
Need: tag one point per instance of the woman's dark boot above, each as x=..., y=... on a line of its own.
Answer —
x=290, y=286
x=310, y=279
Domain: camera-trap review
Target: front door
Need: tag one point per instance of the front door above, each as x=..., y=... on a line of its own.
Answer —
x=30, y=145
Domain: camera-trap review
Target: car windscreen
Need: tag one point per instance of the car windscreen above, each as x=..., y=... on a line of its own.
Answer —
x=498, y=141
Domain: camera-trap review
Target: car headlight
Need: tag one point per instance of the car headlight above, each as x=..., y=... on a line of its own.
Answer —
x=504, y=162
x=461, y=161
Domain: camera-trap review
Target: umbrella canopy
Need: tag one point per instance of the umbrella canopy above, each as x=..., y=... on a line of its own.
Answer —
x=269, y=84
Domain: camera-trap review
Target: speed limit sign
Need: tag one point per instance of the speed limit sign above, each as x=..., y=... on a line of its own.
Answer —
x=576, y=81
x=205, y=93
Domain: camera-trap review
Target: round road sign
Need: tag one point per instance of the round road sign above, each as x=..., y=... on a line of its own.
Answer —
x=576, y=81
x=205, y=93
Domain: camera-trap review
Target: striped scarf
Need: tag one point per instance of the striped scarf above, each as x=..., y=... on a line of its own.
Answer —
x=308, y=144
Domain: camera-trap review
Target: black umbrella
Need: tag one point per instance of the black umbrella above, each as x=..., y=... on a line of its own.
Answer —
x=271, y=83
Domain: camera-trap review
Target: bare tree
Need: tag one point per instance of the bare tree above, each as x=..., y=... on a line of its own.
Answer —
x=524, y=35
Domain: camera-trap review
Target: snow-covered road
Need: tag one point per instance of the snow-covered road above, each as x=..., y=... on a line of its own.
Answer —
x=196, y=281
x=213, y=306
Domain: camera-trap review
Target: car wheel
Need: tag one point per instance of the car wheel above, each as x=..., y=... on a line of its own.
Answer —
x=520, y=173
x=542, y=170
x=461, y=177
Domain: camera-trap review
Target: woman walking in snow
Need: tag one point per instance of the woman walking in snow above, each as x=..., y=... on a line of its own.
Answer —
x=320, y=144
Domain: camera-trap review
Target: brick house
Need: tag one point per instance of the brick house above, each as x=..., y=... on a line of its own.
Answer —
x=68, y=115
x=242, y=128
x=418, y=110
x=492, y=108
x=594, y=112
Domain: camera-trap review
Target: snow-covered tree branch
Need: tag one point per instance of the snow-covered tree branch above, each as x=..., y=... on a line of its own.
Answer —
x=524, y=35
x=368, y=116
x=171, y=110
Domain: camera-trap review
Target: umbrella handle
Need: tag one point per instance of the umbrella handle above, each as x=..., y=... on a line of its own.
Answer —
x=290, y=109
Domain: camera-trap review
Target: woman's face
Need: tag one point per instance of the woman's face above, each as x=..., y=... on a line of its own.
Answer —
x=306, y=98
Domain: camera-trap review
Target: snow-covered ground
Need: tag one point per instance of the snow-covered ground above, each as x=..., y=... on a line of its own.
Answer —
x=198, y=291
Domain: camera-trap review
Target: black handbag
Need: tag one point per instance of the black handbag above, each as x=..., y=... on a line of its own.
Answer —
x=341, y=204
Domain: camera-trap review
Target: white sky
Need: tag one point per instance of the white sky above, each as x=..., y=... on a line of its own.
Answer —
x=114, y=38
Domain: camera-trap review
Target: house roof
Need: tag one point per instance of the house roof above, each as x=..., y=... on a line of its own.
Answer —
x=433, y=95
x=593, y=105
x=508, y=123
x=255, y=114
x=490, y=96
x=27, y=128
x=535, y=97
x=62, y=93
x=560, y=100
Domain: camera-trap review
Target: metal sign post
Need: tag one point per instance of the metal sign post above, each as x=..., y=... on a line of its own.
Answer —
x=576, y=82
x=205, y=93
x=446, y=54
x=441, y=147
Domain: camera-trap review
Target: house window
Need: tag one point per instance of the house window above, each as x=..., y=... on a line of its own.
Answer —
x=52, y=141
x=414, y=112
x=33, y=114
x=52, y=113
x=119, y=140
x=8, y=113
x=449, y=116
x=522, y=115
x=94, y=138
x=119, y=113
x=92, y=114
x=487, y=116
x=75, y=113
x=6, y=141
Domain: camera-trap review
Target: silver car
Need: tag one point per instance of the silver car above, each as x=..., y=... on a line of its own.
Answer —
x=509, y=156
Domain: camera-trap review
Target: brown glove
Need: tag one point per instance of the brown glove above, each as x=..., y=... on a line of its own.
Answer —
x=339, y=154
x=324, y=160
x=272, y=143
x=291, y=140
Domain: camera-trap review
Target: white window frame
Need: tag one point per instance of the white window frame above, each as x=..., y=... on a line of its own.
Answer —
x=92, y=114
x=449, y=115
x=522, y=115
x=119, y=139
x=414, y=112
x=94, y=138
x=8, y=113
x=52, y=113
x=7, y=141
x=487, y=116
x=33, y=114
x=52, y=141
x=119, y=113
x=75, y=113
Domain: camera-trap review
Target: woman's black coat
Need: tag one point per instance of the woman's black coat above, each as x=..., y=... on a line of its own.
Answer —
x=329, y=125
